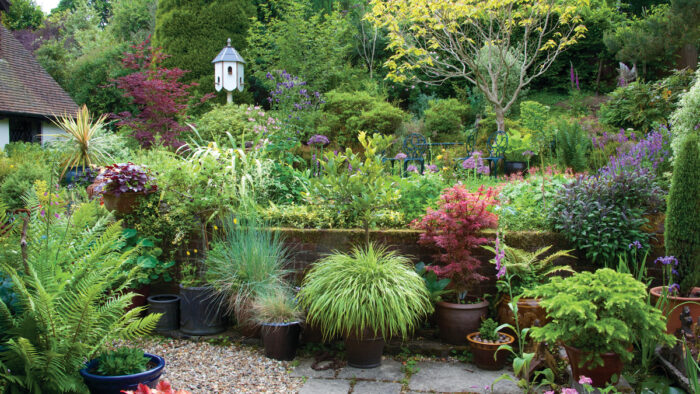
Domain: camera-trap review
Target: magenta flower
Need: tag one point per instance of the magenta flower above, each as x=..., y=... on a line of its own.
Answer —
x=585, y=380
x=569, y=391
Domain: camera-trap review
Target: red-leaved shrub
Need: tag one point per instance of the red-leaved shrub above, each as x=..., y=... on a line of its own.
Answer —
x=453, y=229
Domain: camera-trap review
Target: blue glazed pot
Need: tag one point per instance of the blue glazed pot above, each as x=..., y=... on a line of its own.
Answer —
x=115, y=384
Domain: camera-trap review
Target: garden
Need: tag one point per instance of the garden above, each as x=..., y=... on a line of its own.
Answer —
x=505, y=190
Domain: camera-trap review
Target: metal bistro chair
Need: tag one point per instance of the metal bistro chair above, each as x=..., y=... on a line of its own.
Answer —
x=469, y=145
x=498, y=144
x=414, y=146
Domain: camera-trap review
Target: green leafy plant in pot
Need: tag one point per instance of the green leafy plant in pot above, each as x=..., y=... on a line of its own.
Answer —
x=485, y=344
x=366, y=296
x=453, y=229
x=247, y=260
x=279, y=315
x=598, y=316
x=124, y=368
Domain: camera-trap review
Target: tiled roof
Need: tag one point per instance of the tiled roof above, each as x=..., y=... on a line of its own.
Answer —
x=25, y=87
x=228, y=54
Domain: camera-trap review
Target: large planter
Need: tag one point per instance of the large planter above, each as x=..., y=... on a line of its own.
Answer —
x=115, y=384
x=280, y=340
x=600, y=375
x=673, y=321
x=73, y=173
x=366, y=352
x=456, y=321
x=484, y=352
x=199, y=313
x=124, y=203
x=529, y=312
x=141, y=297
x=515, y=167
x=169, y=306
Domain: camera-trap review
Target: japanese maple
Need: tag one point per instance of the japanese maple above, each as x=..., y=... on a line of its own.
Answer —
x=454, y=229
x=162, y=100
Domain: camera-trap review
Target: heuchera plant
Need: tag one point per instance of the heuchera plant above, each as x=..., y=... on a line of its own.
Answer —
x=162, y=100
x=123, y=178
x=453, y=228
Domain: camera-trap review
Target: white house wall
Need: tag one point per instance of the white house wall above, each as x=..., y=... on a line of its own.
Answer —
x=48, y=130
x=4, y=132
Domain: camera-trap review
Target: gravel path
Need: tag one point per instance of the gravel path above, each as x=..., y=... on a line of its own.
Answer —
x=203, y=367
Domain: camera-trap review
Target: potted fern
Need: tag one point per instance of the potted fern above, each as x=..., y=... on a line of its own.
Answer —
x=365, y=296
x=597, y=316
x=122, y=369
x=484, y=345
x=527, y=270
x=279, y=316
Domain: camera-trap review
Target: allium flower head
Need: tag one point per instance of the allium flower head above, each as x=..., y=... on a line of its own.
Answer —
x=318, y=139
x=400, y=156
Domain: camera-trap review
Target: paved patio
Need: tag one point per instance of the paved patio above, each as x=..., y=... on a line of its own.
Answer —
x=391, y=377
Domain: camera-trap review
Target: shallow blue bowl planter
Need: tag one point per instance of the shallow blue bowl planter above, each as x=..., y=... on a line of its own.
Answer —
x=115, y=384
x=73, y=173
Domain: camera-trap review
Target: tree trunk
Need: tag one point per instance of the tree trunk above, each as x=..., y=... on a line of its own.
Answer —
x=500, y=118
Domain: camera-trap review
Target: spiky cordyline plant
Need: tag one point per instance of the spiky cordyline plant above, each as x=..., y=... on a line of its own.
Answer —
x=82, y=143
x=371, y=288
x=71, y=292
x=247, y=260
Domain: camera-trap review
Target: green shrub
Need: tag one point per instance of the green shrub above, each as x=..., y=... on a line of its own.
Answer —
x=418, y=193
x=522, y=203
x=642, y=105
x=122, y=361
x=237, y=120
x=368, y=289
x=346, y=113
x=572, y=145
x=20, y=181
x=686, y=118
x=446, y=119
x=599, y=312
x=489, y=330
x=682, y=235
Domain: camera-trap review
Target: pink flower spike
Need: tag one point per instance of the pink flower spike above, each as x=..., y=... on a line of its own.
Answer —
x=585, y=380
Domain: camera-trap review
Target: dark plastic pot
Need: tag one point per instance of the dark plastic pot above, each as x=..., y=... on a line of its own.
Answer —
x=281, y=340
x=199, y=314
x=515, y=167
x=600, y=375
x=169, y=306
x=115, y=384
x=364, y=353
x=456, y=321
x=484, y=352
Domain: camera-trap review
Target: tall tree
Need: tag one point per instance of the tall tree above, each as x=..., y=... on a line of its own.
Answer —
x=23, y=14
x=192, y=33
x=490, y=43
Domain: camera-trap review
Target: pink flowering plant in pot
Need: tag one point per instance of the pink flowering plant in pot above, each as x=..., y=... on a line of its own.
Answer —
x=454, y=230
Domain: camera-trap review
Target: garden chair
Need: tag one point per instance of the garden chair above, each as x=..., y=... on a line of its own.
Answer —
x=414, y=146
x=469, y=145
x=498, y=144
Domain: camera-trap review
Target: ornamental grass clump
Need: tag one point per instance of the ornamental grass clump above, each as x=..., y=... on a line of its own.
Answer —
x=453, y=228
x=600, y=312
x=371, y=289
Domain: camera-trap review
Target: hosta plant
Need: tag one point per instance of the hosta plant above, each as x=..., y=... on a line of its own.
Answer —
x=369, y=289
x=453, y=228
x=599, y=312
x=72, y=299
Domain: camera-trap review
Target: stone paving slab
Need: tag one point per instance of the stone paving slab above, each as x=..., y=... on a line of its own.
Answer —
x=304, y=370
x=325, y=386
x=457, y=377
x=390, y=370
x=366, y=387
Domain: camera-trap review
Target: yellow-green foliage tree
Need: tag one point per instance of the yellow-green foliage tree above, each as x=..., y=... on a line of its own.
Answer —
x=498, y=45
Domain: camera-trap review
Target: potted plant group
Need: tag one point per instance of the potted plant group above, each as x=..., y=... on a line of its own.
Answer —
x=82, y=144
x=453, y=228
x=121, y=185
x=526, y=270
x=122, y=369
x=484, y=345
x=365, y=296
x=279, y=315
x=247, y=260
x=518, y=152
x=597, y=317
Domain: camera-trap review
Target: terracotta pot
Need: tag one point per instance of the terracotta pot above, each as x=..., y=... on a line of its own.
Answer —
x=124, y=203
x=456, y=321
x=673, y=322
x=484, y=352
x=366, y=352
x=600, y=375
x=529, y=311
x=142, y=294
